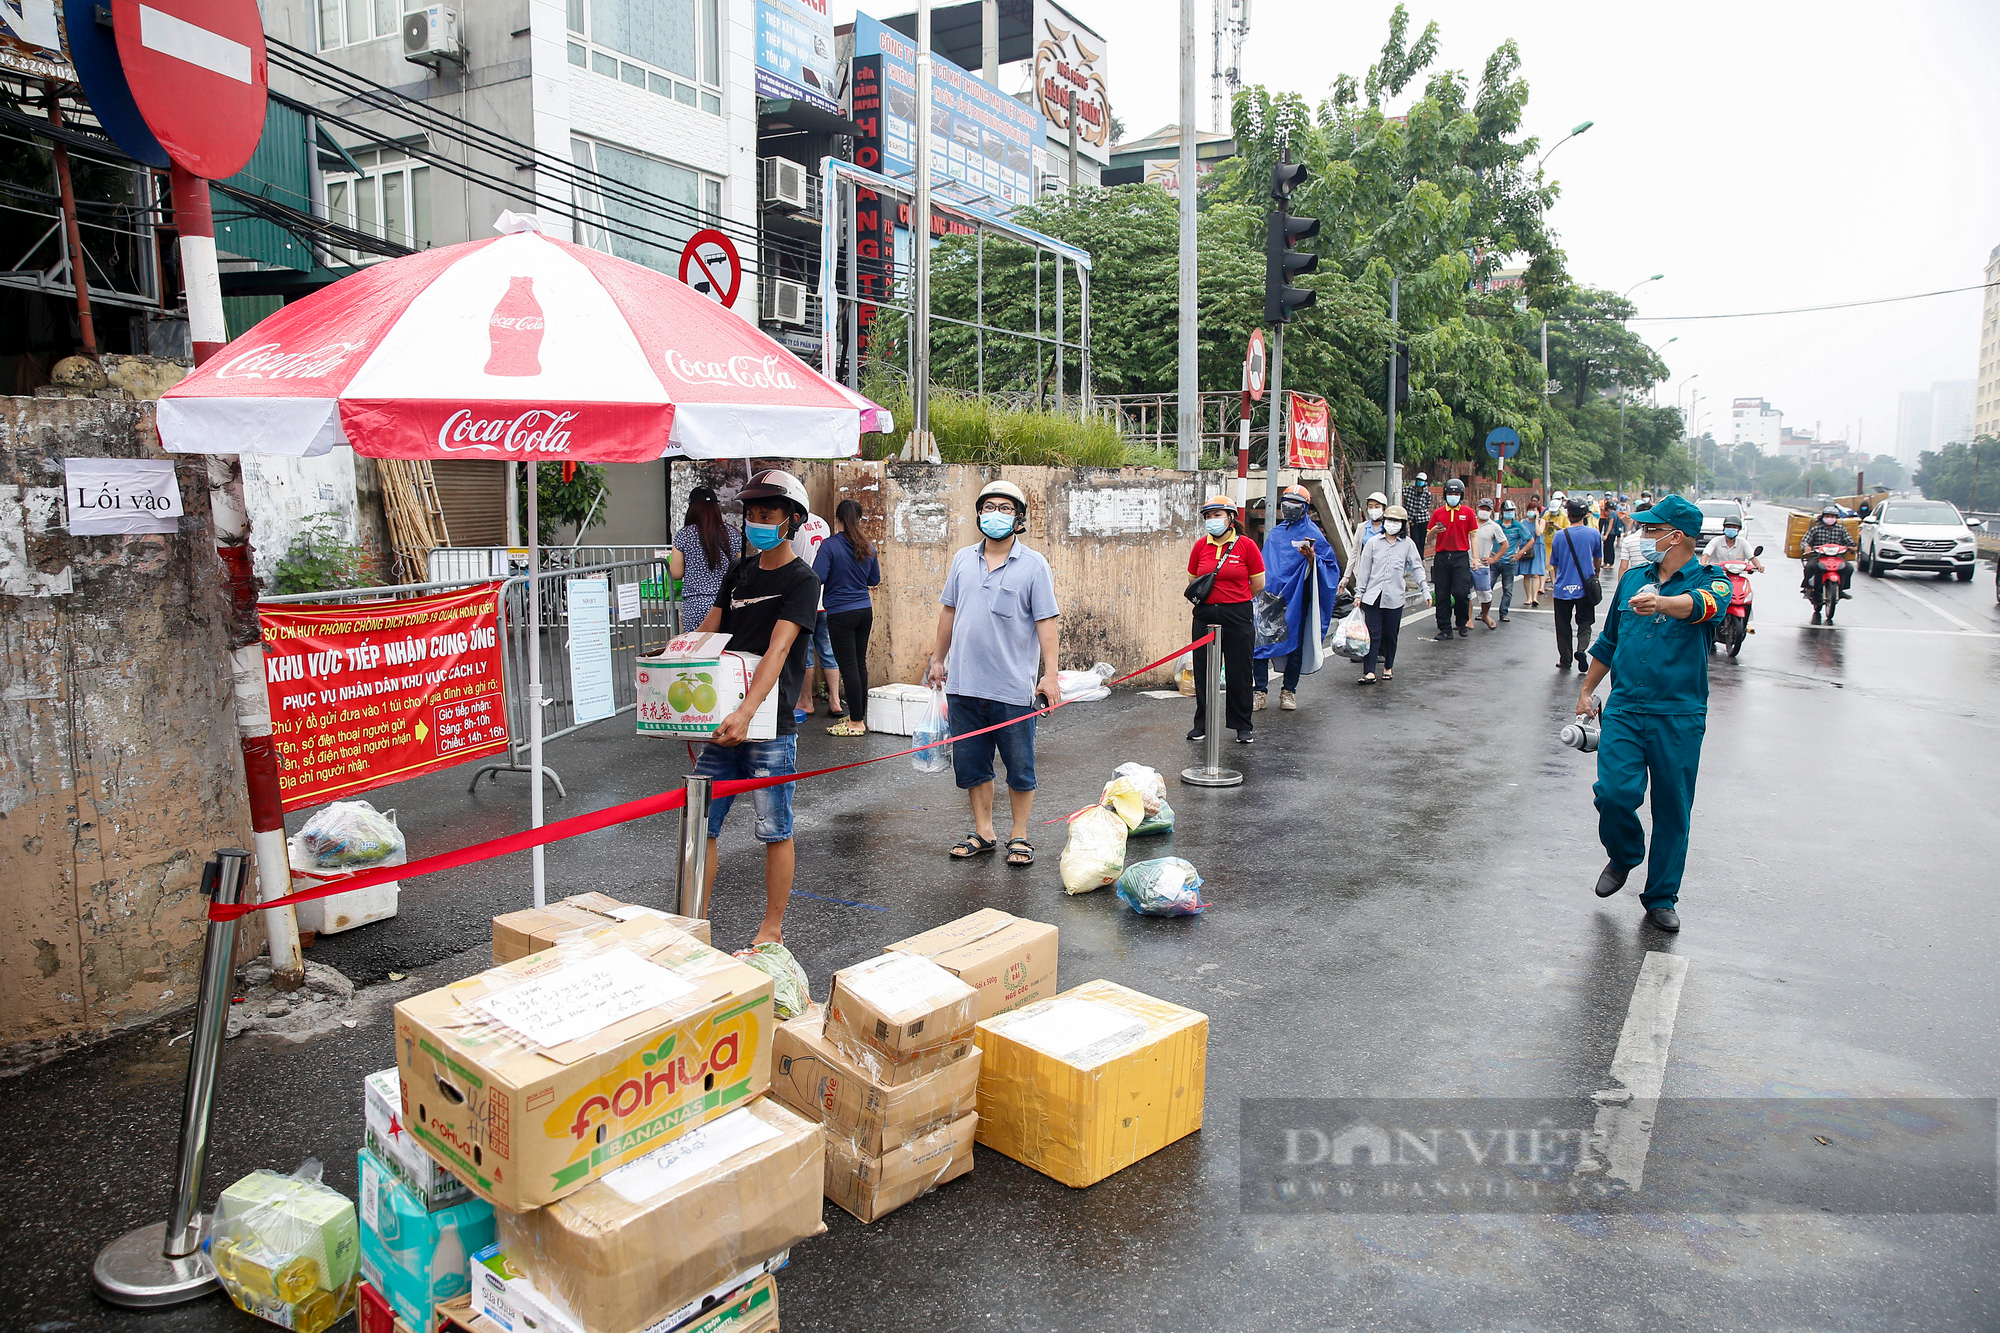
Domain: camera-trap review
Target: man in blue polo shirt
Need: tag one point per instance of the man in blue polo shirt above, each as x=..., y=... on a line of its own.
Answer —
x=996, y=650
x=1655, y=647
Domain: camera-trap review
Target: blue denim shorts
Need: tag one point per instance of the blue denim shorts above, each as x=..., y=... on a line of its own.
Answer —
x=819, y=646
x=753, y=759
x=972, y=761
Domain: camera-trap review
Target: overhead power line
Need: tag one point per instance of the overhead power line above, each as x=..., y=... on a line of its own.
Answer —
x=1806, y=309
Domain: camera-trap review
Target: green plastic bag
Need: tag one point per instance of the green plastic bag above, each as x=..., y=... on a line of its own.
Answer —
x=1160, y=821
x=791, y=992
x=1169, y=886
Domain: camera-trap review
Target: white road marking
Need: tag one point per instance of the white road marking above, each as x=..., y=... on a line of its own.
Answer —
x=1623, y=1132
x=174, y=36
x=1921, y=600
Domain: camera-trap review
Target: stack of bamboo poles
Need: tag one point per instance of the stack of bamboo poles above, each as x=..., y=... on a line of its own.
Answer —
x=416, y=520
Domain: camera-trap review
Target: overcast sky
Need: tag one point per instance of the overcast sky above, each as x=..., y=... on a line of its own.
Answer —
x=1761, y=154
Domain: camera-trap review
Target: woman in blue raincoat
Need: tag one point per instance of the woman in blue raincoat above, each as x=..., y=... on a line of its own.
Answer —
x=1294, y=551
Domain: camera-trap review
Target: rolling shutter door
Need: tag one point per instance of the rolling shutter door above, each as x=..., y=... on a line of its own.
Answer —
x=472, y=495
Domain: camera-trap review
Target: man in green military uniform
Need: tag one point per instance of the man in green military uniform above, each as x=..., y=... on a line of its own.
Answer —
x=1655, y=647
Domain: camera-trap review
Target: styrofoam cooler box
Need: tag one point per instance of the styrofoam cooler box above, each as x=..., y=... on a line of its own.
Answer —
x=895, y=708
x=686, y=689
x=341, y=911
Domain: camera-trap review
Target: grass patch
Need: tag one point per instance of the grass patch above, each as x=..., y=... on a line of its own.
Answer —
x=975, y=430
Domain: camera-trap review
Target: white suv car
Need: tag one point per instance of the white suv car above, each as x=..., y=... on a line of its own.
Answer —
x=1927, y=535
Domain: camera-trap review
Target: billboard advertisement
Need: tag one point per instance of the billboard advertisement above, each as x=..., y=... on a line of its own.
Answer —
x=1311, y=433
x=1071, y=70
x=795, y=52
x=980, y=137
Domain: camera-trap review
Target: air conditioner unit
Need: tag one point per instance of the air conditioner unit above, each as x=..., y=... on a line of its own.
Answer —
x=431, y=35
x=784, y=184
x=784, y=301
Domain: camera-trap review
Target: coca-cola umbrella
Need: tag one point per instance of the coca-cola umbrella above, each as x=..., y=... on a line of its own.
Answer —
x=519, y=348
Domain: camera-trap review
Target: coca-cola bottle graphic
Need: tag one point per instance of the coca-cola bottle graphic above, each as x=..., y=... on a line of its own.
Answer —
x=515, y=328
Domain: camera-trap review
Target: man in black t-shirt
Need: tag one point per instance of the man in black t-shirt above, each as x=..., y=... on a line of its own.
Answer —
x=767, y=604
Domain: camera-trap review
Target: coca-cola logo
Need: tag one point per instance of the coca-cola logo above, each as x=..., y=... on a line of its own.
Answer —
x=750, y=372
x=270, y=361
x=536, y=431
x=535, y=322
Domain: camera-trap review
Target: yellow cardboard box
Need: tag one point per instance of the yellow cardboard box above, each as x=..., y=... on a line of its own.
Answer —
x=536, y=1077
x=658, y=1233
x=518, y=934
x=817, y=1081
x=1009, y=961
x=900, y=1016
x=1087, y=1083
x=873, y=1187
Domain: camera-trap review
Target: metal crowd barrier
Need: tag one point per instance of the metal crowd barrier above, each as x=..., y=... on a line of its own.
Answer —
x=477, y=563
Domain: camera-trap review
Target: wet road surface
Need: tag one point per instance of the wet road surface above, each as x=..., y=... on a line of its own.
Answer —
x=1402, y=909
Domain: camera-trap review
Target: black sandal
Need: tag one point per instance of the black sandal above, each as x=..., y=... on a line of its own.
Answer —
x=1020, y=852
x=972, y=845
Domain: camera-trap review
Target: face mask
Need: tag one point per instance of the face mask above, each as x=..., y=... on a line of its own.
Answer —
x=1732, y=535
x=1374, y=513
x=997, y=526
x=1453, y=499
x=1392, y=526
x=1293, y=513
x=1216, y=526
x=1651, y=552
x=764, y=536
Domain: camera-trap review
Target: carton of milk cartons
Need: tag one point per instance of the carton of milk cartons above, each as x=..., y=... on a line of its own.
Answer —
x=687, y=688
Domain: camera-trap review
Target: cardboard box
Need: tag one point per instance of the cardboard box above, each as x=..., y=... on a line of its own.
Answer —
x=689, y=686
x=371, y=1311
x=894, y=709
x=814, y=1079
x=503, y=1300
x=387, y=1134
x=657, y=1234
x=899, y=1016
x=873, y=1187
x=414, y=1256
x=518, y=934
x=1009, y=961
x=536, y=1077
x=1087, y=1083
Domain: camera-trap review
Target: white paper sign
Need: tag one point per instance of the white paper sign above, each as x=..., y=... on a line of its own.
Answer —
x=899, y=982
x=590, y=649
x=121, y=495
x=1081, y=1032
x=628, y=601
x=584, y=997
x=689, y=1155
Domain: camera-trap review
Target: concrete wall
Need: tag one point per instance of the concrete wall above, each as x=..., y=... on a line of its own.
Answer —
x=120, y=772
x=1117, y=540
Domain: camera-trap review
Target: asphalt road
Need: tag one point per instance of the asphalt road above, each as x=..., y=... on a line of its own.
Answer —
x=1402, y=909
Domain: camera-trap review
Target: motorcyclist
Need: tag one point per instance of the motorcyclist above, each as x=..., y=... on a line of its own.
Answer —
x=1731, y=546
x=1829, y=531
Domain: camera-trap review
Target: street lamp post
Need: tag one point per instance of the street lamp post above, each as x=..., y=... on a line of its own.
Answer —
x=1559, y=143
x=1626, y=296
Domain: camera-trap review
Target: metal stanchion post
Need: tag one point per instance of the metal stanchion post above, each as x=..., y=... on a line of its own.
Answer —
x=692, y=900
x=1212, y=773
x=164, y=1264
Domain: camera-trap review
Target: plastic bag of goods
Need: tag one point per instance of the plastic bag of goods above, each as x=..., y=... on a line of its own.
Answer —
x=1269, y=612
x=1168, y=886
x=791, y=992
x=1352, y=639
x=1095, y=851
x=1121, y=796
x=287, y=1248
x=351, y=833
x=1152, y=787
x=933, y=724
x=1082, y=686
x=1159, y=821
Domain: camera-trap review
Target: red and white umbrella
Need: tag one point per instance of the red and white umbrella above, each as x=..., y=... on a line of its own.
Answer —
x=521, y=348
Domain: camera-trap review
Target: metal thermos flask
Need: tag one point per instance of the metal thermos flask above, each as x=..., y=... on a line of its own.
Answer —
x=1581, y=734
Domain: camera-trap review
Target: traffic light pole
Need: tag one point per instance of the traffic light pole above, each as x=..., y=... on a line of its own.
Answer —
x=1275, y=452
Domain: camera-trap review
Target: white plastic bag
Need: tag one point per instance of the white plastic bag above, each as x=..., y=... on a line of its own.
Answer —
x=1152, y=787
x=1083, y=686
x=1095, y=852
x=351, y=833
x=933, y=724
x=1352, y=641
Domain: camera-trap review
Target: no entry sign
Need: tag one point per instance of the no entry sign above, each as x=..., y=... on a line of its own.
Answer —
x=197, y=73
x=710, y=265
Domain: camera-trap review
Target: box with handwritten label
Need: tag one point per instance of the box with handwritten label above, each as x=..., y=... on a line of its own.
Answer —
x=900, y=1017
x=534, y=1078
x=533, y=929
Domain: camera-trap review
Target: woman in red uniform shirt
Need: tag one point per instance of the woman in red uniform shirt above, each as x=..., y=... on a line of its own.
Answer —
x=1239, y=576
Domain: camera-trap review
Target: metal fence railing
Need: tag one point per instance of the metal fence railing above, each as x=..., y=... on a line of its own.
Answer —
x=478, y=563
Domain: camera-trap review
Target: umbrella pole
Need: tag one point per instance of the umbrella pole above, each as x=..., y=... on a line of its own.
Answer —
x=535, y=671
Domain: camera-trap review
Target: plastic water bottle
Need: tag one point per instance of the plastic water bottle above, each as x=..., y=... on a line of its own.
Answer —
x=451, y=1273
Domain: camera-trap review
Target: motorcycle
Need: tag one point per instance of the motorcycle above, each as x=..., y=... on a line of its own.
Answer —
x=1825, y=589
x=1735, y=625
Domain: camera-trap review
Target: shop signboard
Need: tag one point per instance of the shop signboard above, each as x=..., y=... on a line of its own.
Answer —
x=795, y=52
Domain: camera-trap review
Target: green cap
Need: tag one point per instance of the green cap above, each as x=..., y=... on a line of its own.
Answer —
x=1673, y=511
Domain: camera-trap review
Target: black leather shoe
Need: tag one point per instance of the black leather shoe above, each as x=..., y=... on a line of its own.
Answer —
x=1610, y=880
x=1663, y=918
x=1444, y=637
x=1583, y=661
x=1197, y=734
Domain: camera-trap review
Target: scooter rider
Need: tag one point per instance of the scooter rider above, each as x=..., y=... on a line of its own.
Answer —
x=1730, y=546
x=1829, y=531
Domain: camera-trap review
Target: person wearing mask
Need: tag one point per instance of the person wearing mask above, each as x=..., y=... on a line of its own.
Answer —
x=848, y=570
x=1654, y=649
x=995, y=653
x=1451, y=567
x=1534, y=567
x=1238, y=567
x=1417, y=503
x=1489, y=548
x=767, y=603
x=1381, y=572
x=1627, y=543
x=1295, y=551
x=1829, y=531
x=1576, y=554
x=820, y=660
x=1520, y=542
x=704, y=549
x=1731, y=545
x=1370, y=526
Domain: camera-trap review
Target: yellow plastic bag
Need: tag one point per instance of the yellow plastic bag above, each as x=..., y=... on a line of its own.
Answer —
x=1095, y=852
x=1122, y=796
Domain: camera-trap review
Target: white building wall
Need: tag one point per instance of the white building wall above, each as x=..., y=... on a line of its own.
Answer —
x=283, y=494
x=1951, y=413
x=549, y=71
x=1986, y=400
x=1756, y=422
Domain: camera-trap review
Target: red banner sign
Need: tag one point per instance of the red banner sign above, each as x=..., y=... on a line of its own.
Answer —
x=365, y=695
x=1311, y=432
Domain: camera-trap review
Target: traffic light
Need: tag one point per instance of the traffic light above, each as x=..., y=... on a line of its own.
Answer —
x=1402, y=373
x=1286, y=177
x=1282, y=262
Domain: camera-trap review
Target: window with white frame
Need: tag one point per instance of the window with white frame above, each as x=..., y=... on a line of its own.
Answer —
x=392, y=200
x=672, y=48
x=624, y=223
x=349, y=22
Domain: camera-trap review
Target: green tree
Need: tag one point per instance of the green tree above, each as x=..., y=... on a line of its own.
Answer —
x=559, y=503
x=1967, y=475
x=1883, y=470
